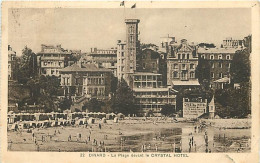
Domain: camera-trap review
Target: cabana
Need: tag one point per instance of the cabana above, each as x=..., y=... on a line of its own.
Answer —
x=120, y=116
x=115, y=120
x=104, y=120
x=110, y=116
x=91, y=120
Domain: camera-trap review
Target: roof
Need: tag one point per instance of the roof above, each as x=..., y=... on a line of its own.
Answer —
x=222, y=80
x=84, y=67
x=212, y=102
x=217, y=50
x=145, y=73
x=193, y=82
x=151, y=89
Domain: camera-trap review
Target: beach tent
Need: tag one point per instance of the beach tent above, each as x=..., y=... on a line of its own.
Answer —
x=120, y=116
x=104, y=120
x=115, y=120
x=14, y=126
x=217, y=117
x=91, y=120
x=53, y=124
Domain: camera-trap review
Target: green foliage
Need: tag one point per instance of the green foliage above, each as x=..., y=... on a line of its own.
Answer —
x=27, y=67
x=143, y=46
x=93, y=105
x=65, y=103
x=124, y=99
x=207, y=45
x=168, y=110
x=234, y=102
x=203, y=72
x=114, y=82
x=240, y=67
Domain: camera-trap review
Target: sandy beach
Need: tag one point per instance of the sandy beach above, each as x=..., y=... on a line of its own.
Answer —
x=150, y=135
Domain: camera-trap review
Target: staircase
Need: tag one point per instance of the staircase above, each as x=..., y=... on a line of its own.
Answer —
x=78, y=103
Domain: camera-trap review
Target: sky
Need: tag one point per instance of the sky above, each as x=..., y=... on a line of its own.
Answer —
x=82, y=29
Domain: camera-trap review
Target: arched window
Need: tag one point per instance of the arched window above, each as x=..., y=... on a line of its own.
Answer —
x=175, y=74
x=192, y=74
x=191, y=66
x=183, y=56
x=175, y=66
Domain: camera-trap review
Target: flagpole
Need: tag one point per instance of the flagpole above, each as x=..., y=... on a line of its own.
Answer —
x=124, y=11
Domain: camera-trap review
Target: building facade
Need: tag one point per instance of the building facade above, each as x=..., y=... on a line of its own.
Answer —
x=51, y=59
x=182, y=61
x=106, y=58
x=232, y=43
x=11, y=63
x=127, y=59
x=86, y=80
x=150, y=94
x=220, y=60
x=165, y=44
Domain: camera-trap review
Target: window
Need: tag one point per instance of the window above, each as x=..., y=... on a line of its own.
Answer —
x=203, y=56
x=220, y=65
x=45, y=63
x=192, y=74
x=122, y=54
x=211, y=57
x=123, y=47
x=112, y=64
x=212, y=75
x=143, y=65
x=175, y=66
x=188, y=56
x=220, y=75
x=179, y=56
x=175, y=74
x=228, y=57
x=212, y=65
x=154, y=65
x=191, y=66
x=184, y=75
x=183, y=56
x=220, y=56
x=183, y=66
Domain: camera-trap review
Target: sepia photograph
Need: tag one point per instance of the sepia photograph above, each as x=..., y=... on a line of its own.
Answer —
x=129, y=79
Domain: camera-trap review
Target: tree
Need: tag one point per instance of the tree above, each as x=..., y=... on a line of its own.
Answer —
x=240, y=67
x=207, y=45
x=234, y=102
x=168, y=110
x=28, y=66
x=65, y=103
x=124, y=99
x=203, y=72
x=93, y=105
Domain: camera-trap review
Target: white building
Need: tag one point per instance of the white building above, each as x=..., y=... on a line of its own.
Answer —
x=51, y=59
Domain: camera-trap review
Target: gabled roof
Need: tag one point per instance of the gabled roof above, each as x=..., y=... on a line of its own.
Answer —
x=217, y=50
x=84, y=67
